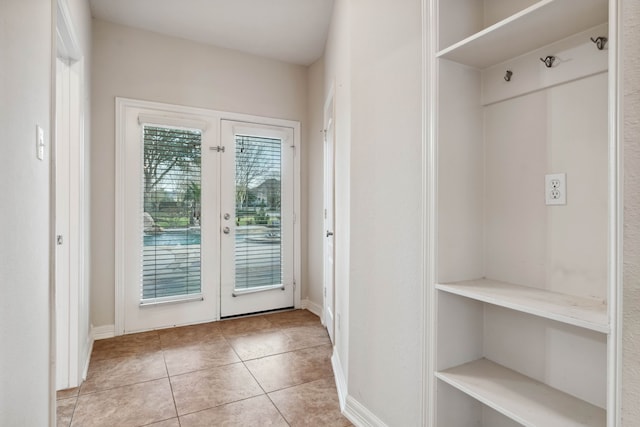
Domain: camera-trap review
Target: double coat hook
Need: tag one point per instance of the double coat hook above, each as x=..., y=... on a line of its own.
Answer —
x=548, y=61
x=600, y=42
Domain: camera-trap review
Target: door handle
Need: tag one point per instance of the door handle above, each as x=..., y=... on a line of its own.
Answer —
x=329, y=233
x=226, y=230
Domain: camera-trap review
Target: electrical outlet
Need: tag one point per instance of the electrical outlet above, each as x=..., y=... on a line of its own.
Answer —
x=555, y=189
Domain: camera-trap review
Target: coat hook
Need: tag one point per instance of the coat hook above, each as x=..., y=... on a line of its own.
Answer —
x=600, y=42
x=548, y=61
x=507, y=75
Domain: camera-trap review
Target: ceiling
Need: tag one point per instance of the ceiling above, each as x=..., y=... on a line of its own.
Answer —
x=293, y=31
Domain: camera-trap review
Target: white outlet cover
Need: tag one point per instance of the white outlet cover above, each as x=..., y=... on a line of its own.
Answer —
x=555, y=189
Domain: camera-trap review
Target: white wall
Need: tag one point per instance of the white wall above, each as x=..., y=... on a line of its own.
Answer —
x=560, y=248
x=144, y=65
x=631, y=305
x=25, y=294
x=385, y=301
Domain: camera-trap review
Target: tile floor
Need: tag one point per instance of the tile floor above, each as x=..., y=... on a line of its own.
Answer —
x=269, y=370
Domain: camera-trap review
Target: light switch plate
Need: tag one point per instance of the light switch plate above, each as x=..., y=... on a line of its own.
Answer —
x=39, y=143
x=555, y=189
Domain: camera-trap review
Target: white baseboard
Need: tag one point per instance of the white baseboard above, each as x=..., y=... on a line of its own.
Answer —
x=359, y=415
x=312, y=307
x=87, y=356
x=102, y=332
x=353, y=410
x=341, y=381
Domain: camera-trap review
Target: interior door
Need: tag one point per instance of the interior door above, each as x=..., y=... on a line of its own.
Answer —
x=329, y=218
x=256, y=218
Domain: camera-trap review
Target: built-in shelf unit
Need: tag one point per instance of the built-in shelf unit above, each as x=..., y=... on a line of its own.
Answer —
x=522, y=293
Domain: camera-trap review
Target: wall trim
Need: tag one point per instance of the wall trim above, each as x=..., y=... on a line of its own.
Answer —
x=359, y=415
x=341, y=381
x=87, y=357
x=101, y=333
x=313, y=307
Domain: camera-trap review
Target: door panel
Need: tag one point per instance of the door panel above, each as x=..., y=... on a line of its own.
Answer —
x=329, y=217
x=171, y=221
x=256, y=218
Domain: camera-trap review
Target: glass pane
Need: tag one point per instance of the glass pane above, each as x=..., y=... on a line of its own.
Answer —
x=258, y=255
x=171, y=213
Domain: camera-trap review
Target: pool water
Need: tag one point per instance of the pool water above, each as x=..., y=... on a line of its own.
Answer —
x=173, y=238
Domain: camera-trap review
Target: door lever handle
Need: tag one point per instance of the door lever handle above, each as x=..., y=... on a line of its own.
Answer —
x=329, y=233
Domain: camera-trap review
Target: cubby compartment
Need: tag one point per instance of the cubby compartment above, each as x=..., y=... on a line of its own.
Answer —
x=522, y=287
x=532, y=370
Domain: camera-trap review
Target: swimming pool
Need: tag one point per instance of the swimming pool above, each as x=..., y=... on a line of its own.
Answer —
x=173, y=238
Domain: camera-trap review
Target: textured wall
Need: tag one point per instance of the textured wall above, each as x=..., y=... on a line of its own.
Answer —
x=25, y=93
x=631, y=305
x=385, y=176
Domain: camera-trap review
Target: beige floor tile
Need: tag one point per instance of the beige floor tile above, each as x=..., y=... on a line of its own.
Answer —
x=213, y=387
x=64, y=411
x=134, y=405
x=187, y=335
x=307, y=335
x=126, y=345
x=173, y=422
x=310, y=404
x=111, y=373
x=293, y=368
x=293, y=318
x=245, y=326
x=195, y=357
x=257, y=411
x=65, y=394
x=261, y=344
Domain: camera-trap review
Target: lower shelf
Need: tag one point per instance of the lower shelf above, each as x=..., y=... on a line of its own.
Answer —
x=527, y=401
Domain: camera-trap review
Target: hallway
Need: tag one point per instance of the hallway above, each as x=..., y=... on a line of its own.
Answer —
x=272, y=369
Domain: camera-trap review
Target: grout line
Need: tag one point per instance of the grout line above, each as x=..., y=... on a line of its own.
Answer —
x=278, y=409
x=173, y=396
x=122, y=386
x=205, y=369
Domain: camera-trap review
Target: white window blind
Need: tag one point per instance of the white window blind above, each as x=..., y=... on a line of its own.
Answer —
x=258, y=252
x=171, y=185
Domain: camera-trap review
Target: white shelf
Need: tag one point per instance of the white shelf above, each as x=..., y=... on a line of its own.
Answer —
x=578, y=311
x=527, y=401
x=539, y=25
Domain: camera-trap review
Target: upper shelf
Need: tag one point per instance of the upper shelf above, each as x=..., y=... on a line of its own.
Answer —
x=539, y=25
x=578, y=311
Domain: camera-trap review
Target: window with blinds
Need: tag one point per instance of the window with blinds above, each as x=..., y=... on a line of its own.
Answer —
x=258, y=253
x=171, y=214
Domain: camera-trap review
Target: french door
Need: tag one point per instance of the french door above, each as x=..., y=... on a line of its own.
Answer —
x=256, y=199
x=205, y=218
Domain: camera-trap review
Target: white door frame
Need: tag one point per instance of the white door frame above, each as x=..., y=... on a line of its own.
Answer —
x=328, y=216
x=69, y=189
x=124, y=106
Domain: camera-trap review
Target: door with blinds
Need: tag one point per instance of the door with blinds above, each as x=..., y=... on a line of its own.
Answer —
x=256, y=218
x=167, y=246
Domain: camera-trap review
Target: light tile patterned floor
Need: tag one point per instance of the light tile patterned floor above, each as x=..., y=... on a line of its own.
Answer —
x=269, y=370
